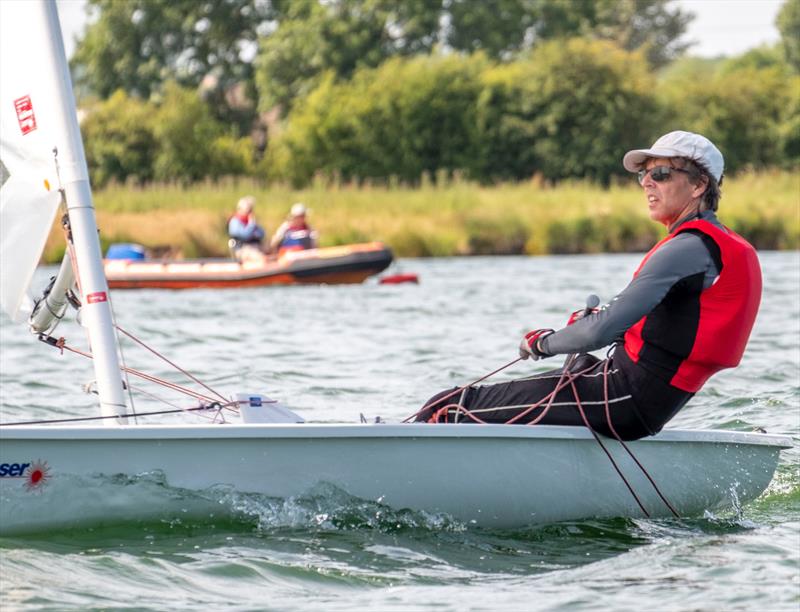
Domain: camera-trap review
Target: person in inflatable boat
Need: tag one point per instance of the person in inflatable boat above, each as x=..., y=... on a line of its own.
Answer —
x=294, y=234
x=686, y=314
x=245, y=234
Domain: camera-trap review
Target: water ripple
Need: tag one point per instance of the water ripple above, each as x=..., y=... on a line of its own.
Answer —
x=336, y=352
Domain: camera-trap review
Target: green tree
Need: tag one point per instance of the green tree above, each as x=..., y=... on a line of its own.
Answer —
x=119, y=140
x=789, y=129
x=138, y=45
x=788, y=22
x=192, y=145
x=403, y=119
x=748, y=112
x=499, y=28
x=313, y=37
x=571, y=109
x=504, y=27
x=652, y=26
x=755, y=59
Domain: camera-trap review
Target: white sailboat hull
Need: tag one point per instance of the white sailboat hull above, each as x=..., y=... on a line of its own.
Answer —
x=487, y=475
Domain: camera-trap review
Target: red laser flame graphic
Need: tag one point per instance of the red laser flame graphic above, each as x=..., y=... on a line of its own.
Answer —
x=37, y=475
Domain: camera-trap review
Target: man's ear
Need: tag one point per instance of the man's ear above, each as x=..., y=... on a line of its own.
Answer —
x=700, y=187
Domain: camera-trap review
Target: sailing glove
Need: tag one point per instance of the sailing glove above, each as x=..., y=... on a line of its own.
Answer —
x=529, y=346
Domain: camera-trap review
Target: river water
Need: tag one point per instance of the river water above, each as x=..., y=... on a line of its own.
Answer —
x=334, y=353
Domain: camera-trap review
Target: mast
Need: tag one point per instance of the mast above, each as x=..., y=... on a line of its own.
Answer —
x=74, y=174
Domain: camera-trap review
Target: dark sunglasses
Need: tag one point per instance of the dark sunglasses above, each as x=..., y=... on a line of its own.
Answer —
x=659, y=173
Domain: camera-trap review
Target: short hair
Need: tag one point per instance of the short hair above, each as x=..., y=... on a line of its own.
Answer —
x=246, y=203
x=696, y=171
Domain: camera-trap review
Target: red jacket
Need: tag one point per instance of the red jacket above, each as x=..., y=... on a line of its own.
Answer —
x=699, y=335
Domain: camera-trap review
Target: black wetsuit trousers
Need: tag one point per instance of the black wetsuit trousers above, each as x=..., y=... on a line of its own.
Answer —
x=639, y=404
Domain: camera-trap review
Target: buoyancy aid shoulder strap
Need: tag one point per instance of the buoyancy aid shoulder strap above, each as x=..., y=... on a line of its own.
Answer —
x=710, y=244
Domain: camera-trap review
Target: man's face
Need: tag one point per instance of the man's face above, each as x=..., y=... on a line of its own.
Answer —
x=671, y=198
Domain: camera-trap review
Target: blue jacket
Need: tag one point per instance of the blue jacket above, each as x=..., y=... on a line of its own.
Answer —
x=245, y=232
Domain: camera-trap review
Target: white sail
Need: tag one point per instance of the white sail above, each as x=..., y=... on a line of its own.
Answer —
x=28, y=196
x=39, y=115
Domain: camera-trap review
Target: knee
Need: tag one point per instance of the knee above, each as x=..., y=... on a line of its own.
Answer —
x=583, y=361
x=433, y=404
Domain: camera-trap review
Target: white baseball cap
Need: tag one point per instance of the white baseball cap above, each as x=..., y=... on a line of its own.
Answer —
x=246, y=203
x=679, y=144
x=298, y=209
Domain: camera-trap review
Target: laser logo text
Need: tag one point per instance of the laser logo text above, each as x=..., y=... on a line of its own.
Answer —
x=34, y=473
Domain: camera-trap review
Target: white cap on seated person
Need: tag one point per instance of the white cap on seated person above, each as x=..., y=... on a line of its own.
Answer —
x=245, y=204
x=298, y=209
x=680, y=144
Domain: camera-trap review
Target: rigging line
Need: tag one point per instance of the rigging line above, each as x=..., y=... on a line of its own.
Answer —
x=159, y=399
x=549, y=397
x=66, y=226
x=605, y=450
x=165, y=383
x=177, y=367
x=566, y=378
x=461, y=402
x=449, y=395
x=216, y=406
x=627, y=449
x=122, y=357
x=458, y=408
x=562, y=383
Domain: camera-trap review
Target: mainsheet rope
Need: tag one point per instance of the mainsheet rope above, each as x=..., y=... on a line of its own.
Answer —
x=567, y=378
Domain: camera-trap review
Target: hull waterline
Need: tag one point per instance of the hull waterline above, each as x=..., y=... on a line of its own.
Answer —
x=493, y=475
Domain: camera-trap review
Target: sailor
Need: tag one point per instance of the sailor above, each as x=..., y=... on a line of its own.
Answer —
x=686, y=314
x=245, y=234
x=295, y=233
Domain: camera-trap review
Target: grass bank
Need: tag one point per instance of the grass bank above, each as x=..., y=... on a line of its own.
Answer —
x=450, y=218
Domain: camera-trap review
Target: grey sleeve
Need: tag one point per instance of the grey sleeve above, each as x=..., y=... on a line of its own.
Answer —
x=683, y=256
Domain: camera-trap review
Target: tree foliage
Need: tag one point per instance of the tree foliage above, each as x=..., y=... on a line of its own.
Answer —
x=313, y=37
x=503, y=28
x=339, y=36
x=788, y=22
x=498, y=28
x=174, y=138
x=403, y=119
x=747, y=107
x=379, y=89
x=139, y=45
x=571, y=109
x=119, y=140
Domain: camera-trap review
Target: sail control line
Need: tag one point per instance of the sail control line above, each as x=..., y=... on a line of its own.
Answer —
x=567, y=379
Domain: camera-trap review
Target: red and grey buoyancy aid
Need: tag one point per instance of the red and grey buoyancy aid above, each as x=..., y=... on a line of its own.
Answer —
x=694, y=333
